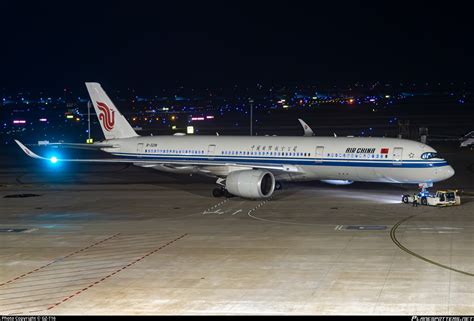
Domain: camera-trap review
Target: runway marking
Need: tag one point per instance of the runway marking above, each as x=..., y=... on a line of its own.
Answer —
x=393, y=236
x=115, y=272
x=56, y=260
x=208, y=211
x=217, y=208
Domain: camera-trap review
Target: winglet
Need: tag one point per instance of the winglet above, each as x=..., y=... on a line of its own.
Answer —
x=307, y=130
x=28, y=151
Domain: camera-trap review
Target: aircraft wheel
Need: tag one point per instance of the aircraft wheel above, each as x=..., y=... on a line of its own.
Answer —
x=405, y=199
x=217, y=192
x=424, y=201
x=227, y=194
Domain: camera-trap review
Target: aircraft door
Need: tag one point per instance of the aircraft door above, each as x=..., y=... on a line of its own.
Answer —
x=397, y=156
x=319, y=154
x=211, y=149
x=140, y=148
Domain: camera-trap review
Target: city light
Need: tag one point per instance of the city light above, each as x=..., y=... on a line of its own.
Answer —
x=190, y=130
x=19, y=121
x=43, y=119
x=69, y=116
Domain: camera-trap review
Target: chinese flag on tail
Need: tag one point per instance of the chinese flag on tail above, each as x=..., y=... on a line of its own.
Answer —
x=384, y=151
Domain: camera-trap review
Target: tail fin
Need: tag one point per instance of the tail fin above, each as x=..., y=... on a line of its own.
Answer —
x=307, y=130
x=113, y=124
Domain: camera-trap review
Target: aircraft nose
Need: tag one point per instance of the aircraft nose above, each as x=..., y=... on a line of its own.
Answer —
x=446, y=172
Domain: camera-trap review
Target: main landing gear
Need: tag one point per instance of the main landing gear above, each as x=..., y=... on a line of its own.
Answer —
x=221, y=191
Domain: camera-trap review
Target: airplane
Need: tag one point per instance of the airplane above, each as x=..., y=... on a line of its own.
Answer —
x=254, y=167
x=467, y=140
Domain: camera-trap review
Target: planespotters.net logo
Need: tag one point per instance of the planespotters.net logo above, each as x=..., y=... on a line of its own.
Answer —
x=458, y=318
x=106, y=116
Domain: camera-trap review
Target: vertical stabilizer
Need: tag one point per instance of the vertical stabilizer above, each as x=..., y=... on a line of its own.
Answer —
x=113, y=123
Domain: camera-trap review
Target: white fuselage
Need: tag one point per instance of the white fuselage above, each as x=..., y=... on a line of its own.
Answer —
x=366, y=159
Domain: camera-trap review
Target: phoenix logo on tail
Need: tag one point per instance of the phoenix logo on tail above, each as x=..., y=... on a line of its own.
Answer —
x=106, y=116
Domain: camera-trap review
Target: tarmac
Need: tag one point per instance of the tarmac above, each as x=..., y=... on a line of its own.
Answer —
x=121, y=240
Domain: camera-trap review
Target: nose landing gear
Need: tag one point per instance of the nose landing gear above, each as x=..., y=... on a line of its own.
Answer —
x=424, y=193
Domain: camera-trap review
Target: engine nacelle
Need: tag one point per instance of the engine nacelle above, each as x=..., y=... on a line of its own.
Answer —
x=337, y=181
x=250, y=183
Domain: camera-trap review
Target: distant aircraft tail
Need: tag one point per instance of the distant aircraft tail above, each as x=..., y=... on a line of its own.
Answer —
x=113, y=124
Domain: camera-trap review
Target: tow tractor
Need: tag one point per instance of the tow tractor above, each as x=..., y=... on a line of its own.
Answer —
x=441, y=198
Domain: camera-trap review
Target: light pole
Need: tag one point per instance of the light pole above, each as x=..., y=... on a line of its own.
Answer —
x=251, y=116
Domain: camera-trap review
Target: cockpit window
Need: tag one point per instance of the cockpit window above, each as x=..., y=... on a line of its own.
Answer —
x=430, y=155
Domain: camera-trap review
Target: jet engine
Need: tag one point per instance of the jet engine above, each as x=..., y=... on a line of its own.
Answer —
x=250, y=183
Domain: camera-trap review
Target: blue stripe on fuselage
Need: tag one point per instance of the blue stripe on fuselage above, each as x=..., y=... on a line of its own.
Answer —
x=287, y=161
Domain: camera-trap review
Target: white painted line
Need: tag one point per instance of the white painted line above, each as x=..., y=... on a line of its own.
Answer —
x=240, y=210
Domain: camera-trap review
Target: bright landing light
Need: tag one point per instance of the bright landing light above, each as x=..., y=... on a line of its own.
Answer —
x=54, y=159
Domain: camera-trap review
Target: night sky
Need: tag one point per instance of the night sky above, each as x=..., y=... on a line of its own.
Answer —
x=154, y=44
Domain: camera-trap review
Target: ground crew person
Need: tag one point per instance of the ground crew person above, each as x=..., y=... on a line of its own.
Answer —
x=415, y=200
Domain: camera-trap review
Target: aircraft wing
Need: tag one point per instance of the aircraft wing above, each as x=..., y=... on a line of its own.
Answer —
x=141, y=162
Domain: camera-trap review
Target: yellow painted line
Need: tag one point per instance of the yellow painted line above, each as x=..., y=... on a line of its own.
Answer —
x=393, y=236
